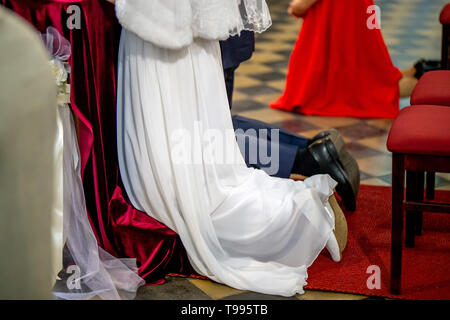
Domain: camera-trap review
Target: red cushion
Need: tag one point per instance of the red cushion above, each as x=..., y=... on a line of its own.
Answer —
x=433, y=88
x=421, y=129
x=444, y=18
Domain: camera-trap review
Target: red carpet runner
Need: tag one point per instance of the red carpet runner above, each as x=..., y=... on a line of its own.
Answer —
x=426, y=268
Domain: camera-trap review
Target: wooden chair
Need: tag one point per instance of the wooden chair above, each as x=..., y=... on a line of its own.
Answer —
x=429, y=91
x=420, y=141
x=433, y=88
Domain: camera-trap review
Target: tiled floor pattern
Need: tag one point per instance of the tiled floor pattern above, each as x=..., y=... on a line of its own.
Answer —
x=411, y=31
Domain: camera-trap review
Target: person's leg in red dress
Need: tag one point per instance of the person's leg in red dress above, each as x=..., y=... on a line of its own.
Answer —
x=340, y=66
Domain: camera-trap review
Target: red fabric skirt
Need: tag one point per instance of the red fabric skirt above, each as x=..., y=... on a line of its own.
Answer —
x=340, y=67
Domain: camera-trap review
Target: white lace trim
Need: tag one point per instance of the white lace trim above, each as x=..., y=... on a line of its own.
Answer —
x=175, y=23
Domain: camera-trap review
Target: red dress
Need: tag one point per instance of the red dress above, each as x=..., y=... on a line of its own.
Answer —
x=340, y=67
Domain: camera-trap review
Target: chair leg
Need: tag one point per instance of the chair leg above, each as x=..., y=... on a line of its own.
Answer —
x=398, y=180
x=411, y=195
x=430, y=185
x=419, y=198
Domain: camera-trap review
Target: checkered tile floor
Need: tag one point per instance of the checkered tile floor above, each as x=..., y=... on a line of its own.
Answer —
x=411, y=31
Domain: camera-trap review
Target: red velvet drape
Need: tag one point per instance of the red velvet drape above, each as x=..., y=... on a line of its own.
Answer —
x=120, y=229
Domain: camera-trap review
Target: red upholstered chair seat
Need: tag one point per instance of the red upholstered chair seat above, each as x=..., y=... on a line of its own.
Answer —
x=444, y=18
x=423, y=129
x=433, y=88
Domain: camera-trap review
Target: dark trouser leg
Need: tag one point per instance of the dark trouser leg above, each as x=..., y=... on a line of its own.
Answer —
x=243, y=123
x=252, y=136
x=273, y=139
x=259, y=152
x=285, y=136
x=229, y=83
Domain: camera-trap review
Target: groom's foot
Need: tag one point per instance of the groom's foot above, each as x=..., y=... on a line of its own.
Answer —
x=326, y=154
x=334, y=159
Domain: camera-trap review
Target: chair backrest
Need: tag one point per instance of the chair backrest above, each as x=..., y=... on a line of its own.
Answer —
x=444, y=18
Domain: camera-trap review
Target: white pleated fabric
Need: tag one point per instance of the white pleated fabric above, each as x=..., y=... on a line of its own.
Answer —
x=239, y=226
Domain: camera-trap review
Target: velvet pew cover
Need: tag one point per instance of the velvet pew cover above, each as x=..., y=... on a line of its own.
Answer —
x=120, y=229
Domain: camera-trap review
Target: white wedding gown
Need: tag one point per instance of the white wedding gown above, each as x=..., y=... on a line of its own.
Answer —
x=239, y=226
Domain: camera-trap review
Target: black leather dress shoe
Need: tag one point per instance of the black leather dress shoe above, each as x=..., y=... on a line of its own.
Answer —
x=329, y=152
x=345, y=158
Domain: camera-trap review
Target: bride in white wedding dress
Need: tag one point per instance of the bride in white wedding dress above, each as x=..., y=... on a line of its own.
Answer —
x=239, y=226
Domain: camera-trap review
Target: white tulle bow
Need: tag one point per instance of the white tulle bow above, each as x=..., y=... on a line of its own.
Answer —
x=89, y=270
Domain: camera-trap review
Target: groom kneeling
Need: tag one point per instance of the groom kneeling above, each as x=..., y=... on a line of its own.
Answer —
x=323, y=154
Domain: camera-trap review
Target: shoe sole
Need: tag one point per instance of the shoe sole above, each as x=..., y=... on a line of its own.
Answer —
x=347, y=190
x=346, y=165
x=349, y=167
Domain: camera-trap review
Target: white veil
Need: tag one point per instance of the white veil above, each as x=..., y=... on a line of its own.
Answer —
x=89, y=270
x=255, y=16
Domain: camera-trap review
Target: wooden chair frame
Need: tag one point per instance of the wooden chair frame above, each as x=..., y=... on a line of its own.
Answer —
x=413, y=205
